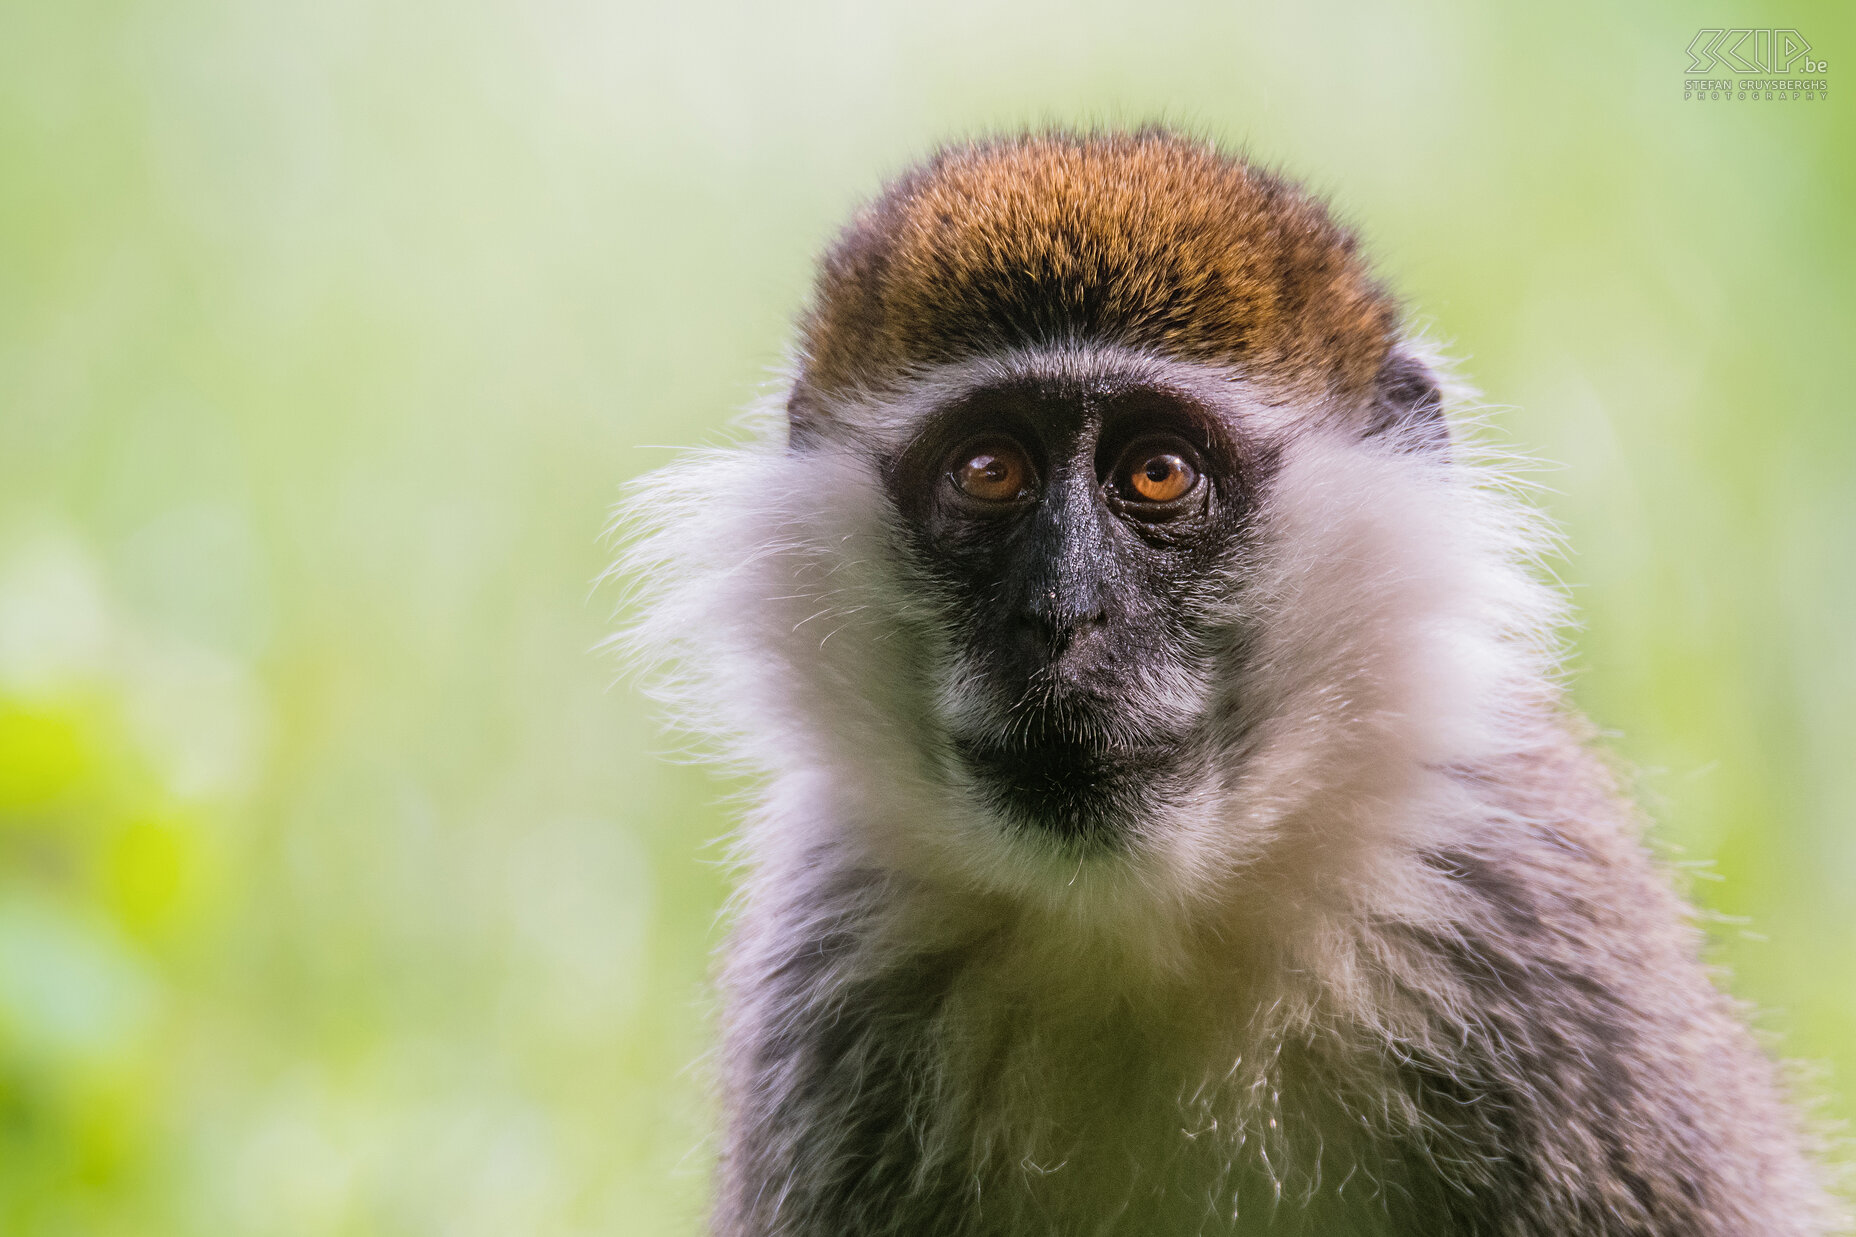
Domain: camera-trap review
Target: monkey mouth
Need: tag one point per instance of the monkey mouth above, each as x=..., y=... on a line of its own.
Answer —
x=1065, y=750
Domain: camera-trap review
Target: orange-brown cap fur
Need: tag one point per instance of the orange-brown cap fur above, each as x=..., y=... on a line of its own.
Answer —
x=1144, y=239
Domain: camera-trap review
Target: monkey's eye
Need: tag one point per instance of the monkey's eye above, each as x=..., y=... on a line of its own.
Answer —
x=994, y=470
x=1157, y=472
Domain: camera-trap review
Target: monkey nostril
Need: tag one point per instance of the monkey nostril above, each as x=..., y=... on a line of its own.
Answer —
x=1046, y=636
x=1034, y=636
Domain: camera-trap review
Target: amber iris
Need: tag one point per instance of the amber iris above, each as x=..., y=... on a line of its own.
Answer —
x=1162, y=477
x=993, y=472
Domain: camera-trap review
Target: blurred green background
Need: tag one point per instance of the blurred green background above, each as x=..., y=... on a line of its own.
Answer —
x=341, y=893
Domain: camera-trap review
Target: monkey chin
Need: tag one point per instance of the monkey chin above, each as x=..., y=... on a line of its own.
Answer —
x=1083, y=792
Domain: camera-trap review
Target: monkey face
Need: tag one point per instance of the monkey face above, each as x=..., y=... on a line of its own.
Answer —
x=1106, y=516
x=1079, y=533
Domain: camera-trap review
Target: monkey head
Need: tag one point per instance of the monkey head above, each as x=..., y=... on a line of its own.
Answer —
x=1029, y=536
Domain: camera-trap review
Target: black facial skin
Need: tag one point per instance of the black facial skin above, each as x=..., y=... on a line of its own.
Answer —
x=1081, y=604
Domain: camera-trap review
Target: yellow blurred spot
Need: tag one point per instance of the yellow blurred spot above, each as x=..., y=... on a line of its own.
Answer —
x=147, y=873
x=41, y=756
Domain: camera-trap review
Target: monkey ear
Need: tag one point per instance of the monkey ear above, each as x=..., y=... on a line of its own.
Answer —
x=1407, y=404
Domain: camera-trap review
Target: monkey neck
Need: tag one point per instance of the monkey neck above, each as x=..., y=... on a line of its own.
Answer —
x=1071, y=1083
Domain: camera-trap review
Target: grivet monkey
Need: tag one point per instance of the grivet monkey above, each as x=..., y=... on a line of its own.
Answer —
x=1171, y=819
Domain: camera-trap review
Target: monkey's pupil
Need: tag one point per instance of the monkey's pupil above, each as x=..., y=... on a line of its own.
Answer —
x=1159, y=470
